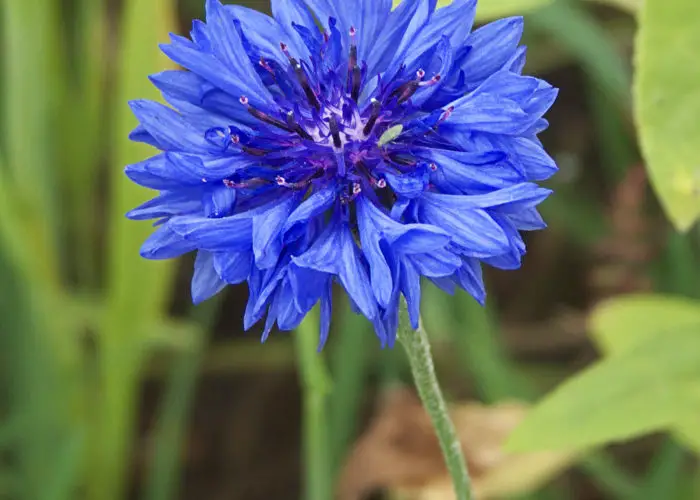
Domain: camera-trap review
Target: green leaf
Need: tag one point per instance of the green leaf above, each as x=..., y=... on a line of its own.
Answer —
x=688, y=432
x=488, y=10
x=667, y=103
x=631, y=6
x=620, y=324
x=648, y=388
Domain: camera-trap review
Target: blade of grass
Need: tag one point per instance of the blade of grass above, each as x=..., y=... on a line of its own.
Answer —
x=665, y=472
x=614, y=136
x=480, y=349
x=349, y=365
x=678, y=266
x=576, y=30
x=84, y=139
x=34, y=393
x=168, y=442
x=32, y=82
x=609, y=476
x=138, y=290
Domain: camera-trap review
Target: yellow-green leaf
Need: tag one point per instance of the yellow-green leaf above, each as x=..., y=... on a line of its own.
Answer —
x=488, y=10
x=645, y=389
x=622, y=323
x=667, y=95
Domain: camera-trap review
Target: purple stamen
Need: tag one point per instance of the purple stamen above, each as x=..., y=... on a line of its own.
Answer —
x=376, y=109
x=335, y=132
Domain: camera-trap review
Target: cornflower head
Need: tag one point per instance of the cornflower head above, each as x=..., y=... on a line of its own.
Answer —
x=343, y=141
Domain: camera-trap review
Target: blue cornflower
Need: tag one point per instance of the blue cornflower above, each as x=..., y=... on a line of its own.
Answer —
x=384, y=146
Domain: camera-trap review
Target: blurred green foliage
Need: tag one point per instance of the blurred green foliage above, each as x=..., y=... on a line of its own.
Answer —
x=82, y=316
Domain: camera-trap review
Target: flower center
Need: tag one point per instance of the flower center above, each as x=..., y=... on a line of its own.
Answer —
x=325, y=129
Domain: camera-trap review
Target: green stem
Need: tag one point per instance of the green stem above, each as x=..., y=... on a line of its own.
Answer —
x=315, y=383
x=417, y=348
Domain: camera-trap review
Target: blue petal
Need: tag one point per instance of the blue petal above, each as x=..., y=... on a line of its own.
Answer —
x=336, y=9
x=528, y=219
x=263, y=32
x=473, y=229
x=190, y=87
x=288, y=317
x=168, y=204
x=219, y=201
x=511, y=259
x=316, y=204
x=369, y=17
x=511, y=86
x=517, y=62
x=226, y=234
x=537, y=164
x=206, y=282
x=233, y=267
x=252, y=314
x=493, y=46
x=453, y=22
x=168, y=128
x=469, y=170
x=193, y=169
x=164, y=243
x=489, y=113
x=437, y=263
x=336, y=253
x=148, y=173
x=228, y=48
x=410, y=287
x=291, y=12
x=212, y=70
x=541, y=100
x=326, y=315
x=309, y=286
x=380, y=272
x=403, y=238
x=471, y=279
x=406, y=185
x=440, y=64
x=510, y=200
x=267, y=232
x=140, y=134
x=404, y=24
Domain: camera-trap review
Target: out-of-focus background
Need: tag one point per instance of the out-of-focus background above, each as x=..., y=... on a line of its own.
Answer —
x=113, y=386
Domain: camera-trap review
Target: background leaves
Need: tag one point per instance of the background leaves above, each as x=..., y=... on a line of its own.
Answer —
x=667, y=101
